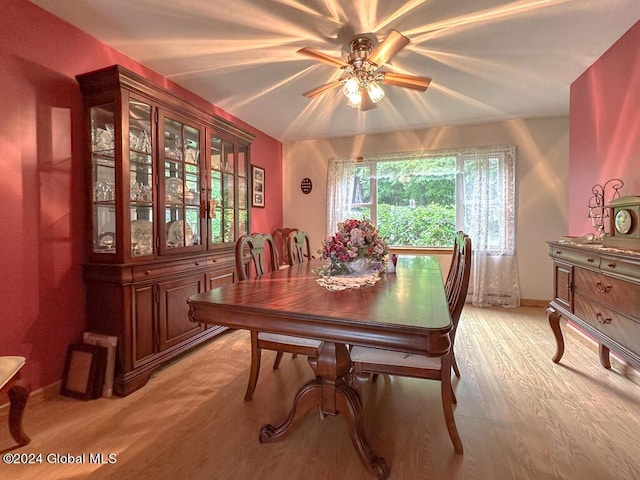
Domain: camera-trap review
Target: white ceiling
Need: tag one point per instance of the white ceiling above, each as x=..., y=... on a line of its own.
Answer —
x=489, y=59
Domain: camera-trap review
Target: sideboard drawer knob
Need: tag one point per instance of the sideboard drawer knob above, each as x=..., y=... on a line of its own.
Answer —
x=590, y=260
x=611, y=265
x=603, y=288
x=602, y=319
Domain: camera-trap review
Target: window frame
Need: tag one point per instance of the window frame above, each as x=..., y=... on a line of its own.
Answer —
x=461, y=155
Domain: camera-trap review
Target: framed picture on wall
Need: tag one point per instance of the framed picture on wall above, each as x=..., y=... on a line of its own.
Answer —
x=257, y=186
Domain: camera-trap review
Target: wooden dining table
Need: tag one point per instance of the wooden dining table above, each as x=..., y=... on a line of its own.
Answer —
x=404, y=311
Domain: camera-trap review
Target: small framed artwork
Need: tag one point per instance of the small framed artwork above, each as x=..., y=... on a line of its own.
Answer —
x=84, y=371
x=257, y=189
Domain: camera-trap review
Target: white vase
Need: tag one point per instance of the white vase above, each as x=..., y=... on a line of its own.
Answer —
x=360, y=265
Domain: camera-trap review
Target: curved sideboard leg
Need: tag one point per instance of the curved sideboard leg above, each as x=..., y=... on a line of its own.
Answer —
x=553, y=316
x=603, y=351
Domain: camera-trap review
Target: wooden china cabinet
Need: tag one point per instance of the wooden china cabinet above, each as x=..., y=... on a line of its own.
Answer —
x=167, y=188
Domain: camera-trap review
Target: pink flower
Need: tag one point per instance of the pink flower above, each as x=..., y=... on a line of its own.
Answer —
x=354, y=239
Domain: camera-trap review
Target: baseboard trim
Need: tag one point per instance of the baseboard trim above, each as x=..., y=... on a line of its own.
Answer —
x=38, y=396
x=532, y=302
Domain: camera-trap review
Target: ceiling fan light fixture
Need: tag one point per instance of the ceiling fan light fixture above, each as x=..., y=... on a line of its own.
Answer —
x=355, y=100
x=376, y=93
x=361, y=78
x=351, y=86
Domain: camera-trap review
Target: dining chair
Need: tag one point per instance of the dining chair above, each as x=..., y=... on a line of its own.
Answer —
x=298, y=247
x=297, y=250
x=18, y=389
x=280, y=240
x=455, y=258
x=257, y=244
x=366, y=360
x=450, y=283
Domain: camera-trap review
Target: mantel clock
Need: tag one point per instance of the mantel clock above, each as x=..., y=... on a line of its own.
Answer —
x=624, y=231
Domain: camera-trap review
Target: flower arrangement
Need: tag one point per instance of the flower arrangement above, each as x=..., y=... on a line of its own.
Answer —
x=355, y=242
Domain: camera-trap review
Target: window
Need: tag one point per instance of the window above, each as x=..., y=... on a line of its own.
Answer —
x=421, y=199
x=412, y=201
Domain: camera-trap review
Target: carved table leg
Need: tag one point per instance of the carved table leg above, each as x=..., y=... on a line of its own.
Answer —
x=331, y=392
x=18, y=396
x=554, y=321
x=309, y=396
x=349, y=404
x=604, y=356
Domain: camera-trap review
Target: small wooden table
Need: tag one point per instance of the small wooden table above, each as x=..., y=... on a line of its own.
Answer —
x=406, y=311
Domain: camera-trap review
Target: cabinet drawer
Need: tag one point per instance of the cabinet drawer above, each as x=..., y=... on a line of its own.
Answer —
x=611, y=292
x=575, y=257
x=144, y=272
x=623, y=330
x=629, y=268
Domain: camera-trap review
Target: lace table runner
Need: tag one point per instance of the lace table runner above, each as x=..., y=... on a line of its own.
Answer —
x=343, y=282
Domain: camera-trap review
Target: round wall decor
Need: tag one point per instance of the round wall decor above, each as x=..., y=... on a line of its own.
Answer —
x=306, y=185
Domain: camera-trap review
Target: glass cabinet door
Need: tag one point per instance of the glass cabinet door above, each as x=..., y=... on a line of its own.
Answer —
x=182, y=184
x=103, y=181
x=228, y=206
x=243, y=190
x=140, y=178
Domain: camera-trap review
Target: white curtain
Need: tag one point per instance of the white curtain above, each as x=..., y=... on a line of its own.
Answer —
x=339, y=191
x=487, y=195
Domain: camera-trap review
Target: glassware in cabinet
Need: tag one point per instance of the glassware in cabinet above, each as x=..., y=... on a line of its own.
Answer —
x=182, y=183
x=141, y=175
x=103, y=178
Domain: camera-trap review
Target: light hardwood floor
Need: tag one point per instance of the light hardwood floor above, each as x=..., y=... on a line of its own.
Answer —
x=520, y=416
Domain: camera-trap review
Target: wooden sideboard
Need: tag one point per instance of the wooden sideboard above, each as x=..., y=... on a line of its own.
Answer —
x=597, y=289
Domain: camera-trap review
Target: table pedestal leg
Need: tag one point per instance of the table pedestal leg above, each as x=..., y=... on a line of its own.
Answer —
x=309, y=396
x=349, y=405
x=333, y=395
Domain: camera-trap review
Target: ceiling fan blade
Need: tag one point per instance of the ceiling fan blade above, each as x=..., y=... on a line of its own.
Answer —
x=321, y=89
x=365, y=102
x=391, y=45
x=322, y=57
x=406, y=81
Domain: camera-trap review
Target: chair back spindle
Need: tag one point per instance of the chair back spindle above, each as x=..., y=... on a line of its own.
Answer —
x=281, y=241
x=299, y=249
x=263, y=262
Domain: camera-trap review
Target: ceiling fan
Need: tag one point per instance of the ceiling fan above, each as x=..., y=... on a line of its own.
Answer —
x=361, y=76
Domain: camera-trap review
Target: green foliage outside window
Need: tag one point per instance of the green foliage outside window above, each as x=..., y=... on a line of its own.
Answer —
x=432, y=225
x=416, y=200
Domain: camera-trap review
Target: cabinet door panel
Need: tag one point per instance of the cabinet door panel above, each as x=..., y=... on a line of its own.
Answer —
x=142, y=325
x=173, y=315
x=562, y=283
x=218, y=279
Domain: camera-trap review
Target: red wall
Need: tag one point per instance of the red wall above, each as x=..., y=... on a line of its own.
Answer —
x=605, y=127
x=41, y=184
